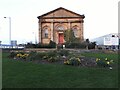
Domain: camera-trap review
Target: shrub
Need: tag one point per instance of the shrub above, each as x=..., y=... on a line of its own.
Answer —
x=50, y=45
x=22, y=56
x=30, y=45
x=75, y=45
x=12, y=54
x=104, y=62
x=40, y=45
x=51, y=53
x=53, y=59
x=32, y=55
x=63, y=52
x=59, y=46
x=91, y=45
x=49, y=56
x=72, y=61
x=100, y=48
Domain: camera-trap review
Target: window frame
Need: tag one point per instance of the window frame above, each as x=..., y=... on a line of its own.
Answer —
x=45, y=32
x=75, y=30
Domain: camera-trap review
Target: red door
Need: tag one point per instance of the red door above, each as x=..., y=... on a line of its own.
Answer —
x=61, y=37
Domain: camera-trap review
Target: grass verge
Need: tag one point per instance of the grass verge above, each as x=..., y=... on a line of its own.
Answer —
x=19, y=74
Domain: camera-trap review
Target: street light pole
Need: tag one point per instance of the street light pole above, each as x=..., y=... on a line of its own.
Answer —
x=35, y=39
x=9, y=29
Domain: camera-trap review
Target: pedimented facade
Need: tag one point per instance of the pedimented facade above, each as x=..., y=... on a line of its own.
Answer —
x=53, y=24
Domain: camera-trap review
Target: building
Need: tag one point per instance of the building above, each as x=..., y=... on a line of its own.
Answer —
x=14, y=42
x=53, y=24
x=109, y=41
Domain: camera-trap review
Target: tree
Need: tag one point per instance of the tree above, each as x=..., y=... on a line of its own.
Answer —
x=72, y=41
x=87, y=41
x=92, y=45
x=69, y=36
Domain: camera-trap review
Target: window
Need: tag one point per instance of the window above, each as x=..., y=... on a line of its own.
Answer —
x=75, y=30
x=60, y=28
x=45, y=33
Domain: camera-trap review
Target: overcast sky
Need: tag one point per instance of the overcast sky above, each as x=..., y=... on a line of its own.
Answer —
x=101, y=17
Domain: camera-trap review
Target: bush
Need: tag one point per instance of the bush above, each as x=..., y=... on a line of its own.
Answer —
x=72, y=61
x=63, y=52
x=50, y=45
x=32, y=55
x=30, y=45
x=75, y=45
x=59, y=46
x=40, y=45
x=91, y=45
x=37, y=56
x=22, y=55
x=100, y=48
x=49, y=56
x=12, y=54
x=53, y=59
x=104, y=62
x=52, y=56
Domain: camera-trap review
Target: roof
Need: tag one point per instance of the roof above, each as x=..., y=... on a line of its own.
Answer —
x=62, y=13
x=111, y=34
x=107, y=35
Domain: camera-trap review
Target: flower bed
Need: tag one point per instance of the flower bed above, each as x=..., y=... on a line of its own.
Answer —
x=62, y=57
x=104, y=62
x=73, y=61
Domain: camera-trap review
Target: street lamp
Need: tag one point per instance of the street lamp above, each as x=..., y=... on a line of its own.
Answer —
x=9, y=29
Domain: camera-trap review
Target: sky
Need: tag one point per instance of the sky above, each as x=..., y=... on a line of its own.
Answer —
x=101, y=17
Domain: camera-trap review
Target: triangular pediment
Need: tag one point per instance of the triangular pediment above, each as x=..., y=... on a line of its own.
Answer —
x=60, y=12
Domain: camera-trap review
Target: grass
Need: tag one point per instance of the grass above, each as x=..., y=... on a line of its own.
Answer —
x=102, y=55
x=19, y=74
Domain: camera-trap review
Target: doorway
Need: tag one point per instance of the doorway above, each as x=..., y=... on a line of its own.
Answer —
x=61, y=38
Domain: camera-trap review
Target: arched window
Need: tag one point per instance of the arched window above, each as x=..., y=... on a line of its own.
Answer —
x=46, y=33
x=75, y=30
x=60, y=27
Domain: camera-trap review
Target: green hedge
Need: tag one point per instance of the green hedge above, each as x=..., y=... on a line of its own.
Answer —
x=75, y=45
x=50, y=45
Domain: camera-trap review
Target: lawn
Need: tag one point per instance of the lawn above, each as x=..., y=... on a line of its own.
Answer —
x=19, y=74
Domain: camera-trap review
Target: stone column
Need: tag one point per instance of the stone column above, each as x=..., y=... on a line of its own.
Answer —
x=52, y=31
x=69, y=25
x=82, y=37
x=40, y=32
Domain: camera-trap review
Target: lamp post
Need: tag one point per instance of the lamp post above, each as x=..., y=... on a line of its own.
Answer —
x=9, y=29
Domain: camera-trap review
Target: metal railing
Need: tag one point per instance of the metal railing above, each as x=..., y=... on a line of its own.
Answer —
x=11, y=47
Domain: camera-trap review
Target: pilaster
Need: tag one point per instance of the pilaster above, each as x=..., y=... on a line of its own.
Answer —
x=82, y=31
x=52, y=31
x=40, y=32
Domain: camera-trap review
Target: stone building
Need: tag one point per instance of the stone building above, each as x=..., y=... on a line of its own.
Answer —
x=53, y=24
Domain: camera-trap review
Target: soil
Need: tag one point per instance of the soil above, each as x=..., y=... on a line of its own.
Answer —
x=85, y=61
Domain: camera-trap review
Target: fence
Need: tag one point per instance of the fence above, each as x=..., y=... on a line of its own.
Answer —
x=11, y=47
